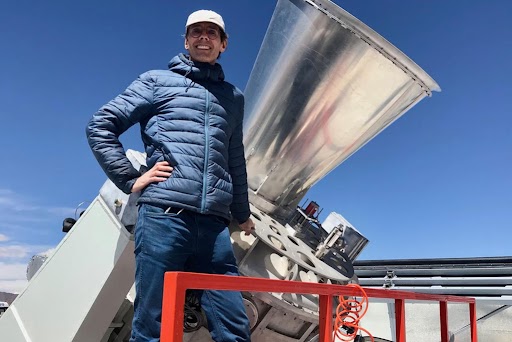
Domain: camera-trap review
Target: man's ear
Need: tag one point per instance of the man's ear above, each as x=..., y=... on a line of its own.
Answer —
x=224, y=45
x=186, y=44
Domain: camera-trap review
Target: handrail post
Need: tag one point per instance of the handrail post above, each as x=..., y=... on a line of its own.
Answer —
x=443, y=315
x=472, y=319
x=176, y=283
x=325, y=318
x=172, y=309
x=400, y=320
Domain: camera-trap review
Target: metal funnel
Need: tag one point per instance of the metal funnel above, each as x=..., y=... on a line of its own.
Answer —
x=322, y=86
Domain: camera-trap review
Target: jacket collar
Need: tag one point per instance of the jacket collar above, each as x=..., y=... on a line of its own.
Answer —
x=196, y=71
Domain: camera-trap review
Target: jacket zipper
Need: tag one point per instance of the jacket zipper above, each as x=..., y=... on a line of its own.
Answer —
x=206, y=151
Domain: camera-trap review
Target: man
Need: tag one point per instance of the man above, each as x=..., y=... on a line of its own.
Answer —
x=191, y=127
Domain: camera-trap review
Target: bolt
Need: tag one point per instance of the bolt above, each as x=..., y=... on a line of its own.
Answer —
x=118, y=203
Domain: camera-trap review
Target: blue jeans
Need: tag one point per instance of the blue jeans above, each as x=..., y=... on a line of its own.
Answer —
x=184, y=242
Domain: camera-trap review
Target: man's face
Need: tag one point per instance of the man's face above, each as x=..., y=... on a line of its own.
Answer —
x=203, y=42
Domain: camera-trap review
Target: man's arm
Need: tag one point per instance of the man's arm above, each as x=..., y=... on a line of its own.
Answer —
x=237, y=168
x=111, y=121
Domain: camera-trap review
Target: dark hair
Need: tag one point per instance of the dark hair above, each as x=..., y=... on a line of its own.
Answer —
x=223, y=35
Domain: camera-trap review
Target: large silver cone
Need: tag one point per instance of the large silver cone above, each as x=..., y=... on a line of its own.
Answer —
x=323, y=85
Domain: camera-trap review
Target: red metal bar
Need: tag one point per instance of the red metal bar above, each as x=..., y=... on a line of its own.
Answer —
x=175, y=284
x=325, y=318
x=443, y=315
x=202, y=281
x=400, y=320
x=172, y=308
x=472, y=319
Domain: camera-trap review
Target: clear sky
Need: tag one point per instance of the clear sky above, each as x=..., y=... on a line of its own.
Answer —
x=436, y=183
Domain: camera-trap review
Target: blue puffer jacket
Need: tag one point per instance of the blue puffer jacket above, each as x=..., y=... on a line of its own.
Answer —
x=190, y=117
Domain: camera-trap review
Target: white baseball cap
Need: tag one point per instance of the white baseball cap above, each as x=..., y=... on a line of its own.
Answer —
x=205, y=16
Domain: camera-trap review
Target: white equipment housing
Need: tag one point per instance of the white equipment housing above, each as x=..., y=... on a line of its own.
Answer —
x=81, y=286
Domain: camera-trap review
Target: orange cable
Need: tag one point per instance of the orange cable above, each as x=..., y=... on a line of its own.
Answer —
x=348, y=314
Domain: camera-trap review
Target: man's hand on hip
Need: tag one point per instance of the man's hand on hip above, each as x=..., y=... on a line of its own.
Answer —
x=158, y=173
x=247, y=226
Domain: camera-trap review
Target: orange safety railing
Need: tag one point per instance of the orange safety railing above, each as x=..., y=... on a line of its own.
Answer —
x=176, y=283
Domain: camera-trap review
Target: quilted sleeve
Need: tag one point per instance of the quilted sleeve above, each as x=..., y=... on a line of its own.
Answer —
x=110, y=121
x=240, y=205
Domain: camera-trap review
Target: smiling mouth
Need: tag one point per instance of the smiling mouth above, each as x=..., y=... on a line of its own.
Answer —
x=202, y=47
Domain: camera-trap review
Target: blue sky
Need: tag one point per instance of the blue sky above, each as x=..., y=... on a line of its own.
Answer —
x=436, y=183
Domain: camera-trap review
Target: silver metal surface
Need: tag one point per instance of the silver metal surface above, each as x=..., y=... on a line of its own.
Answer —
x=329, y=241
x=323, y=85
x=272, y=247
x=473, y=291
x=441, y=281
x=432, y=272
x=352, y=241
x=489, y=280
